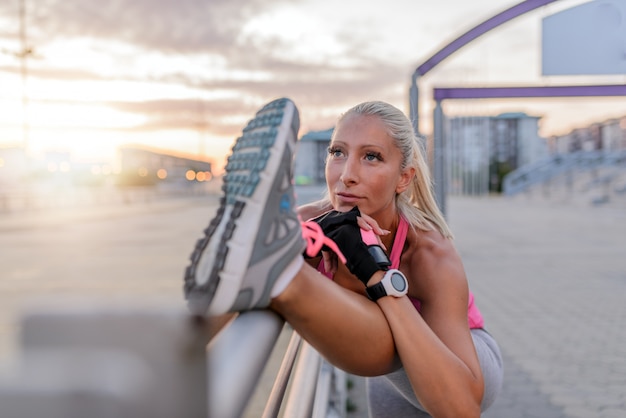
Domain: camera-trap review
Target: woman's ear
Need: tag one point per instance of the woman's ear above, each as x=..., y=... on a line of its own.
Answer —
x=406, y=177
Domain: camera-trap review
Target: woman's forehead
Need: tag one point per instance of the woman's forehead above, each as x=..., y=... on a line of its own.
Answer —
x=356, y=126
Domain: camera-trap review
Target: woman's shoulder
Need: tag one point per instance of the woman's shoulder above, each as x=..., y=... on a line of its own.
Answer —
x=314, y=209
x=431, y=259
x=427, y=244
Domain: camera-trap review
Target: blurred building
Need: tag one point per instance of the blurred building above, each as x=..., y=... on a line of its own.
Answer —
x=609, y=135
x=144, y=167
x=311, y=157
x=481, y=150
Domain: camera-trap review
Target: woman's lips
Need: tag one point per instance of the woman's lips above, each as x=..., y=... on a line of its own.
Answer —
x=347, y=197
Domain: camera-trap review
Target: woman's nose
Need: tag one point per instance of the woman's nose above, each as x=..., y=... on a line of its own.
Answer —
x=349, y=174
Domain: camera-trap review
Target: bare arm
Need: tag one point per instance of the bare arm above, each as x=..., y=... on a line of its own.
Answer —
x=435, y=346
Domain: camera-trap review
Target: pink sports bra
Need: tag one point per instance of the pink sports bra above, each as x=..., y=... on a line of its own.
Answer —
x=474, y=317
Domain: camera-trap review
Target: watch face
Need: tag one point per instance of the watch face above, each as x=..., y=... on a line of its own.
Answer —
x=398, y=282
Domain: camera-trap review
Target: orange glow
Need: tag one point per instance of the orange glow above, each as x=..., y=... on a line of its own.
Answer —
x=162, y=173
x=190, y=175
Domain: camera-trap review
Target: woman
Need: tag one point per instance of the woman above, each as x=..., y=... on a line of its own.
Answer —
x=425, y=350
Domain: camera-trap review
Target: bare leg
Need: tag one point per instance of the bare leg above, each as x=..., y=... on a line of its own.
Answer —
x=348, y=329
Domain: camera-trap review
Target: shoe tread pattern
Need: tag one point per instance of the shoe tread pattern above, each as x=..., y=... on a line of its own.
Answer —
x=247, y=160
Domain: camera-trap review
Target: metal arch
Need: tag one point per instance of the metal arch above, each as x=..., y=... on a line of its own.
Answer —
x=610, y=90
x=460, y=42
x=486, y=26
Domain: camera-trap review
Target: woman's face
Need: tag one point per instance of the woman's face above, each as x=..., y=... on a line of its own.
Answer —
x=364, y=168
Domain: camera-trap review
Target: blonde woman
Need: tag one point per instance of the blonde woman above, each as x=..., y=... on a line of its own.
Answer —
x=396, y=307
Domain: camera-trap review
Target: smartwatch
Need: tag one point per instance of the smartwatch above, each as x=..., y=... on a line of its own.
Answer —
x=393, y=284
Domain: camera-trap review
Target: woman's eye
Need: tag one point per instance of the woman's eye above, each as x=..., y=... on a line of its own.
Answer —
x=334, y=152
x=372, y=156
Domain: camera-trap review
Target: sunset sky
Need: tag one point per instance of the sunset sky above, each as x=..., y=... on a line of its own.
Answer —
x=186, y=75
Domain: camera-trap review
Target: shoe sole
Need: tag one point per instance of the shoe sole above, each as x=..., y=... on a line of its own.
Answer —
x=213, y=279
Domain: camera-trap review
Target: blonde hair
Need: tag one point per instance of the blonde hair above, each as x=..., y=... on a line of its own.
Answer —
x=417, y=203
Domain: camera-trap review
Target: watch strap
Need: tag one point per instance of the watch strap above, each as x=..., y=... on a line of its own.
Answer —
x=376, y=291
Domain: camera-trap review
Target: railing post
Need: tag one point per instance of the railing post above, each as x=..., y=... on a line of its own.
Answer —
x=439, y=158
x=272, y=407
x=414, y=103
x=330, y=394
x=300, y=401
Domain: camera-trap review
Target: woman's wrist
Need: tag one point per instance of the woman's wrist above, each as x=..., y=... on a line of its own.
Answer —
x=376, y=277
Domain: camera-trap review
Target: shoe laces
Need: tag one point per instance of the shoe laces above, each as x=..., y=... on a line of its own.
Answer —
x=316, y=240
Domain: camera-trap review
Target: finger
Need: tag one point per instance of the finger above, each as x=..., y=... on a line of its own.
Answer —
x=330, y=262
x=368, y=223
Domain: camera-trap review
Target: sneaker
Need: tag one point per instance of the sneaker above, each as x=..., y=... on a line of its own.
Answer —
x=256, y=233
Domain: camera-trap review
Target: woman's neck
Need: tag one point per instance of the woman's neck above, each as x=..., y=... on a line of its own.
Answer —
x=392, y=227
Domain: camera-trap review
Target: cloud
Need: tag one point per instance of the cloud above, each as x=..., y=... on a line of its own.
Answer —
x=178, y=28
x=224, y=115
x=182, y=26
x=234, y=51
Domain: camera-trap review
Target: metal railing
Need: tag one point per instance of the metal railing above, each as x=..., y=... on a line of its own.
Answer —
x=237, y=356
x=548, y=168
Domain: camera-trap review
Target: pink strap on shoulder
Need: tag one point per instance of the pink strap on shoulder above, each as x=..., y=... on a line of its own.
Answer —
x=398, y=243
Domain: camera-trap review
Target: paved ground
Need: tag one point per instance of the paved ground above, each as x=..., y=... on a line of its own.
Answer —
x=550, y=278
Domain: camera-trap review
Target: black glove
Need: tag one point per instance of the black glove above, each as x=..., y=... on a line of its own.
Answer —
x=362, y=260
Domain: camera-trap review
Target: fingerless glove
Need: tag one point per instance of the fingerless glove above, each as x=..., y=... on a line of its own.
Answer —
x=363, y=258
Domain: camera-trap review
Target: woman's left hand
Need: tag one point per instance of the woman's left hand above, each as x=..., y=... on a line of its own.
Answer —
x=368, y=223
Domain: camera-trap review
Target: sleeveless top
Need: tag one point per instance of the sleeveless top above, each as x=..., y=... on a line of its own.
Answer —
x=474, y=317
